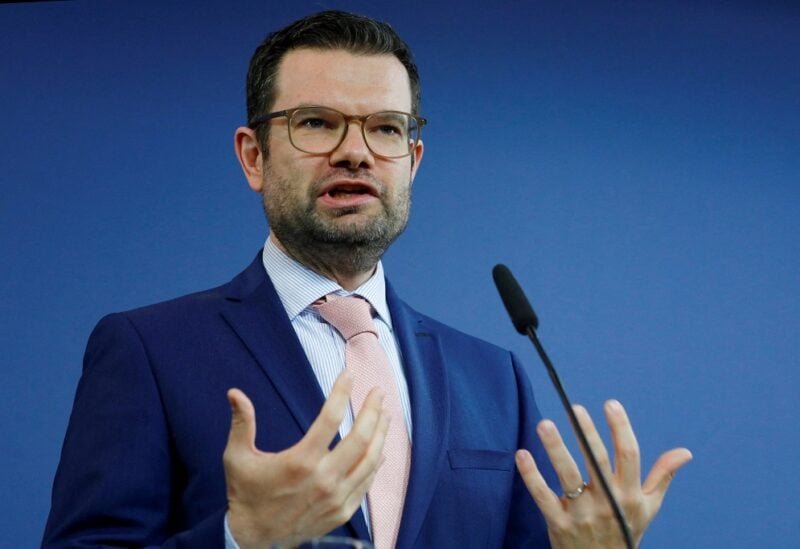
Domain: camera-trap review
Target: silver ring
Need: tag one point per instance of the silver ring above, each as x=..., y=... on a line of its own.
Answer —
x=575, y=493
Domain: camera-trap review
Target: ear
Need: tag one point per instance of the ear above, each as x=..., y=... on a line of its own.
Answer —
x=250, y=157
x=416, y=158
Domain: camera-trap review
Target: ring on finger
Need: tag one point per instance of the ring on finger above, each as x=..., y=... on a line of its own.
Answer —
x=575, y=493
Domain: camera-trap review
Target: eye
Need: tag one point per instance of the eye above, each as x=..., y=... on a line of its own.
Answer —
x=316, y=120
x=390, y=130
x=312, y=123
x=389, y=126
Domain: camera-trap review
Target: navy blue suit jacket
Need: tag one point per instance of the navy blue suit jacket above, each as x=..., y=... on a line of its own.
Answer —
x=142, y=459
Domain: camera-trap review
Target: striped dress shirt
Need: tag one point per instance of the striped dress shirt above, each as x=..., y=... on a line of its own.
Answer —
x=298, y=288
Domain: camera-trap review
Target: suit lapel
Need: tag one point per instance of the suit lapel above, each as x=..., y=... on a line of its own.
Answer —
x=254, y=311
x=430, y=404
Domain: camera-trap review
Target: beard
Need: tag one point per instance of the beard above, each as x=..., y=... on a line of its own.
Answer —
x=327, y=241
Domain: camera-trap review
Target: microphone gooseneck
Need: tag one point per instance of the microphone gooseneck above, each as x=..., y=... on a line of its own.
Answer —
x=526, y=322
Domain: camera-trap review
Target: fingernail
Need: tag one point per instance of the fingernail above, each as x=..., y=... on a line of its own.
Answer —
x=614, y=406
x=523, y=458
x=546, y=427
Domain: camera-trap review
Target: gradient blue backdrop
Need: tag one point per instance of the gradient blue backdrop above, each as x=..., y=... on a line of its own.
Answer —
x=637, y=165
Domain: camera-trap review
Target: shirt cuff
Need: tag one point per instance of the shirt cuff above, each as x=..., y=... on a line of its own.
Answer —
x=230, y=543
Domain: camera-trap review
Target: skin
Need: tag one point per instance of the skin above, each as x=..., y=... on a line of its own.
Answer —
x=308, y=490
x=340, y=239
x=588, y=521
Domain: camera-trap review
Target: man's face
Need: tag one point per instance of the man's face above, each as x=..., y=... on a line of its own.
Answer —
x=348, y=200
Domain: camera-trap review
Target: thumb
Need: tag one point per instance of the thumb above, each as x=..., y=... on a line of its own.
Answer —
x=242, y=435
x=663, y=471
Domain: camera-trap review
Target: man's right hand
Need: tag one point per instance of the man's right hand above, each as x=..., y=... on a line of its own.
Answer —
x=306, y=490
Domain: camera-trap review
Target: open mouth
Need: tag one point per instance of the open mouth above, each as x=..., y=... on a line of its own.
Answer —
x=339, y=190
x=347, y=191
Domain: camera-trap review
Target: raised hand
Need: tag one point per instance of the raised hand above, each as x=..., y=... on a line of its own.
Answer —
x=582, y=517
x=306, y=490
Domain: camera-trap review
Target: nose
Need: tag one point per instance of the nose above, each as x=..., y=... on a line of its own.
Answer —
x=353, y=152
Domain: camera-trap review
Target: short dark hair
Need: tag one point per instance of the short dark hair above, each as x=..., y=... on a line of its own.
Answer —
x=327, y=30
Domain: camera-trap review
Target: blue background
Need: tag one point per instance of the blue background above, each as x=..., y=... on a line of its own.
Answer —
x=636, y=164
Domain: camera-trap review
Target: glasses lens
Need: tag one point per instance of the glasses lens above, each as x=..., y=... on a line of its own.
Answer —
x=319, y=130
x=316, y=129
x=391, y=134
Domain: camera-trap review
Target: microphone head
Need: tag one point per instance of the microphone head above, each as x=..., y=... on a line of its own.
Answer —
x=517, y=305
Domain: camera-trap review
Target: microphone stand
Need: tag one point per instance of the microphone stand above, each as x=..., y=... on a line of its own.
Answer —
x=526, y=322
x=531, y=332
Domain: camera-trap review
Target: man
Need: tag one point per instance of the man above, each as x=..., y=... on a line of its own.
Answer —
x=333, y=146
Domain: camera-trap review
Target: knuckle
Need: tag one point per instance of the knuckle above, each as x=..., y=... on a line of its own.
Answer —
x=325, y=487
x=584, y=522
x=232, y=459
x=299, y=468
x=343, y=514
x=629, y=502
x=600, y=451
x=560, y=526
x=228, y=459
x=329, y=421
x=373, y=460
x=540, y=491
x=606, y=513
x=360, y=438
x=369, y=479
x=628, y=453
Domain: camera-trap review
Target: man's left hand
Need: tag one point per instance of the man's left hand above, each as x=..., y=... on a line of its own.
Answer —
x=583, y=517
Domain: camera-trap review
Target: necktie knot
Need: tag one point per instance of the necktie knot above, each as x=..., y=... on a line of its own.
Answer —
x=349, y=315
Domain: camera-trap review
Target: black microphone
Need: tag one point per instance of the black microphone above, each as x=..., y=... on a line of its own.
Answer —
x=517, y=305
x=526, y=322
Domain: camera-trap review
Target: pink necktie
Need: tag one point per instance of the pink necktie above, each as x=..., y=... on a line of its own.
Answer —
x=366, y=360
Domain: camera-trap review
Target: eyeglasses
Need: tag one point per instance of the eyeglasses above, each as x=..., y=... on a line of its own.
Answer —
x=320, y=130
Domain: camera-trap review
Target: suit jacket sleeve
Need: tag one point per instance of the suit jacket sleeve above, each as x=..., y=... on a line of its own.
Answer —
x=116, y=482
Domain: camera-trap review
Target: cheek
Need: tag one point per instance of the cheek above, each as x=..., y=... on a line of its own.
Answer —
x=299, y=174
x=399, y=197
x=399, y=176
x=280, y=177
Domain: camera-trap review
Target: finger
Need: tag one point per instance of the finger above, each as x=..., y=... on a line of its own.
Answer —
x=353, y=500
x=242, y=435
x=545, y=498
x=595, y=443
x=626, y=447
x=319, y=436
x=371, y=460
x=563, y=463
x=356, y=444
x=662, y=473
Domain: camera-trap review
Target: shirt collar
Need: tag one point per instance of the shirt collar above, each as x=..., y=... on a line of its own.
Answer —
x=298, y=286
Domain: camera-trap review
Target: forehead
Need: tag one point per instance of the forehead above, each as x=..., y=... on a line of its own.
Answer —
x=352, y=83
